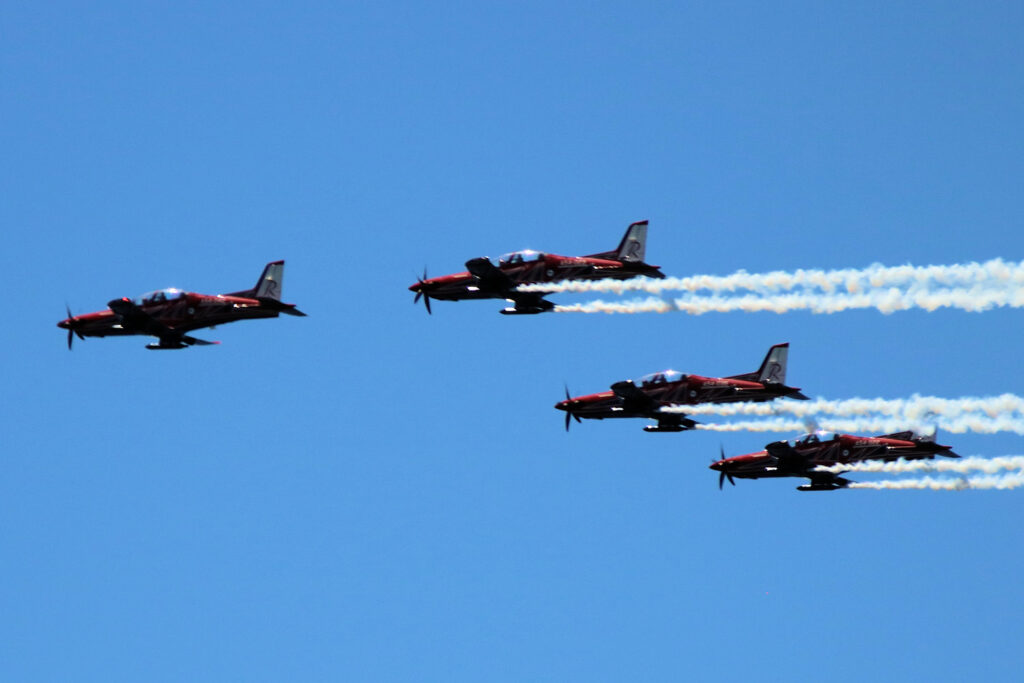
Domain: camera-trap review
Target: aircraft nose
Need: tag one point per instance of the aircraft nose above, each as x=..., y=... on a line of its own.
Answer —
x=64, y=324
x=719, y=466
x=562, y=405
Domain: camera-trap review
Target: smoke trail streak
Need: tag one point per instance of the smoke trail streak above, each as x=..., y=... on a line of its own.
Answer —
x=887, y=301
x=916, y=407
x=995, y=273
x=974, y=463
x=1006, y=482
x=968, y=423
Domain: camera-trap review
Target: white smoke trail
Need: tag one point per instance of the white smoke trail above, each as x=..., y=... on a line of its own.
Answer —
x=1005, y=482
x=974, y=463
x=916, y=407
x=995, y=274
x=649, y=305
x=887, y=301
x=776, y=425
x=977, y=424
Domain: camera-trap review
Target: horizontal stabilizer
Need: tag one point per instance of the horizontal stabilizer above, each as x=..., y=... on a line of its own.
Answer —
x=280, y=307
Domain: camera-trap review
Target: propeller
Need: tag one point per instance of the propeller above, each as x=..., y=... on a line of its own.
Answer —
x=421, y=292
x=568, y=413
x=72, y=330
x=723, y=474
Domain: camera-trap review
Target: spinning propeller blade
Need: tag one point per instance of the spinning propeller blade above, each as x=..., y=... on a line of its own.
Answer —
x=723, y=475
x=568, y=414
x=72, y=331
x=421, y=292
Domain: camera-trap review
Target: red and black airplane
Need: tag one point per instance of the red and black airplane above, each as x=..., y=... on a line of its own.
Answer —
x=648, y=395
x=168, y=314
x=484, y=280
x=803, y=455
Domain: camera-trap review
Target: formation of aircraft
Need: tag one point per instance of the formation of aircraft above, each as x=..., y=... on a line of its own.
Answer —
x=801, y=457
x=169, y=314
x=648, y=396
x=482, y=279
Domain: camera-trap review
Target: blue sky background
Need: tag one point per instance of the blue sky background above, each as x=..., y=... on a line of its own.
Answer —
x=371, y=493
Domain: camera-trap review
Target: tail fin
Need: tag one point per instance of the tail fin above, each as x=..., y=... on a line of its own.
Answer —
x=633, y=246
x=268, y=290
x=945, y=451
x=271, y=282
x=269, y=285
x=773, y=368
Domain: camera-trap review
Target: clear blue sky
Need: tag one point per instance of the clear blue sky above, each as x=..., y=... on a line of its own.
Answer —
x=374, y=494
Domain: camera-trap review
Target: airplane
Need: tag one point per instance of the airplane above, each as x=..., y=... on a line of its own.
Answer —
x=484, y=280
x=800, y=457
x=168, y=314
x=647, y=396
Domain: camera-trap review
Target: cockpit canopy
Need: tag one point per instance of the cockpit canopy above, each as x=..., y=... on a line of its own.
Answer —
x=660, y=378
x=160, y=296
x=516, y=257
x=813, y=438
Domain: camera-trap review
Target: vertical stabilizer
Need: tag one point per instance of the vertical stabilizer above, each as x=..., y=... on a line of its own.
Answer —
x=271, y=282
x=634, y=244
x=773, y=369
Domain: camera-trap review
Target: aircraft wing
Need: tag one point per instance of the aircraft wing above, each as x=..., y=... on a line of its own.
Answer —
x=632, y=396
x=137, y=320
x=636, y=401
x=788, y=459
x=527, y=302
x=492, y=280
x=824, y=481
x=490, y=277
